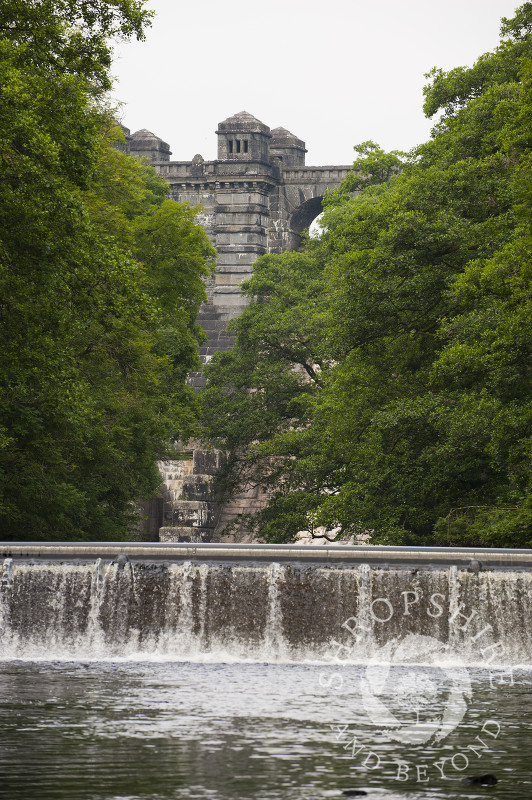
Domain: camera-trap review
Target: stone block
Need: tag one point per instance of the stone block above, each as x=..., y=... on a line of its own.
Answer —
x=207, y=462
x=228, y=279
x=184, y=534
x=197, y=487
x=190, y=514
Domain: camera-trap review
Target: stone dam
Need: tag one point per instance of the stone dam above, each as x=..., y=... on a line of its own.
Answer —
x=257, y=197
x=272, y=603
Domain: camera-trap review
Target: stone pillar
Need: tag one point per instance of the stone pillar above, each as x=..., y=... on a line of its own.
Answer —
x=241, y=214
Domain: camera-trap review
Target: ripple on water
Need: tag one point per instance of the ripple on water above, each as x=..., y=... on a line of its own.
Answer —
x=157, y=731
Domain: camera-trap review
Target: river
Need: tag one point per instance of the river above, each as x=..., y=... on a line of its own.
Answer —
x=159, y=730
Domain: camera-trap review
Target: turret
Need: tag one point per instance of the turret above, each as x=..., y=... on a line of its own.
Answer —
x=144, y=144
x=287, y=148
x=243, y=138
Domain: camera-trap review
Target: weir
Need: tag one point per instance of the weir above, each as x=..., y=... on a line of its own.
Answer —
x=337, y=604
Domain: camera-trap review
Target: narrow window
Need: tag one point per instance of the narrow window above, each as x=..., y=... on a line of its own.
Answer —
x=245, y=145
x=238, y=145
x=230, y=145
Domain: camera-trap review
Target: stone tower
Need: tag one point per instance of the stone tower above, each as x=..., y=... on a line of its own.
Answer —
x=287, y=148
x=257, y=197
x=144, y=144
x=243, y=138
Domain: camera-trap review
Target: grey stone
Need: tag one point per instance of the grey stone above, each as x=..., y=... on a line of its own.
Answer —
x=257, y=197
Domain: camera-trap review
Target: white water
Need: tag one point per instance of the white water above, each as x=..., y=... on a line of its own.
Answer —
x=205, y=681
x=208, y=612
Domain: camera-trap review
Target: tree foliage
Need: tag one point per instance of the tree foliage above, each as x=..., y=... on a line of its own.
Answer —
x=416, y=424
x=69, y=37
x=100, y=280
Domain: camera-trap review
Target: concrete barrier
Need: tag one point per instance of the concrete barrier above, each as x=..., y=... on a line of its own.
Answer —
x=471, y=558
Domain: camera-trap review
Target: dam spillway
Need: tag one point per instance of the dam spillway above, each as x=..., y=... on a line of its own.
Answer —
x=275, y=602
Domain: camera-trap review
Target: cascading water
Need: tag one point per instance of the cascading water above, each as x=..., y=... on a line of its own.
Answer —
x=211, y=672
x=274, y=642
x=6, y=586
x=193, y=610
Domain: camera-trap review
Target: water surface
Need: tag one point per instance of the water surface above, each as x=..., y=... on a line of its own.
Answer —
x=118, y=730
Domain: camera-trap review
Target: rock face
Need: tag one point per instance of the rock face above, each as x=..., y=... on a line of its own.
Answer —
x=257, y=197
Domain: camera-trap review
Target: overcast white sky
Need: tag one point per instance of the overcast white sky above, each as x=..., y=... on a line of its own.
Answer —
x=334, y=72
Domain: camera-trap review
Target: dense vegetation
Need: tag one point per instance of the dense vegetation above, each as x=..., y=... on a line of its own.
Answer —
x=381, y=378
x=100, y=281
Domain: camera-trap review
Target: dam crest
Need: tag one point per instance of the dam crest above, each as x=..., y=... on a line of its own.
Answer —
x=92, y=601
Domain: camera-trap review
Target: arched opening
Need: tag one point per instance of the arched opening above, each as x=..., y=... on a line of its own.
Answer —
x=302, y=219
x=315, y=231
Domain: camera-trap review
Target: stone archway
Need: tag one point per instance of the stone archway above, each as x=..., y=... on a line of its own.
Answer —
x=303, y=217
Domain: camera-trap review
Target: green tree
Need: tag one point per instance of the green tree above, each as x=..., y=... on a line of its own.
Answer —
x=100, y=280
x=488, y=349
x=60, y=38
x=405, y=427
x=259, y=392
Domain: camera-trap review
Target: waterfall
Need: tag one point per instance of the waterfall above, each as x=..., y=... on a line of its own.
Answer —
x=193, y=609
x=274, y=641
x=6, y=588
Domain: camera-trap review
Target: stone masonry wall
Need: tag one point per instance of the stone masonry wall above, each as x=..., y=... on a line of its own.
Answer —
x=256, y=198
